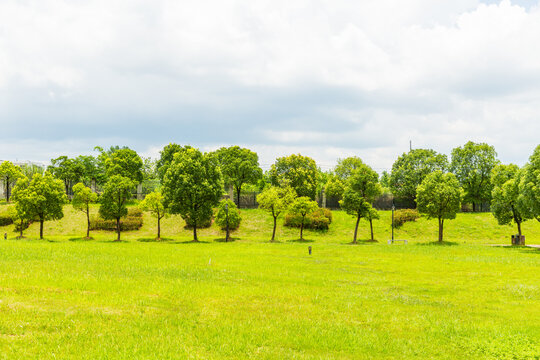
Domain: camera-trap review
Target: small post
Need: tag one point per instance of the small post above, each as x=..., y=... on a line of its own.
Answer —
x=309, y=250
x=5, y=236
x=227, y=220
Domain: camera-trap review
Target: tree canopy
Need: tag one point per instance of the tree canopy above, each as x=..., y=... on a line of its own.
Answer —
x=276, y=200
x=125, y=162
x=9, y=174
x=70, y=171
x=228, y=213
x=153, y=203
x=83, y=196
x=297, y=171
x=166, y=158
x=472, y=164
x=411, y=168
x=529, y=186
x=116, y=193
x=192, y=186
x=302, y=206
x=439, y=196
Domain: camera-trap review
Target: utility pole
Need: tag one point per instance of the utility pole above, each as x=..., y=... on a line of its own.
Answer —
x=410, y=145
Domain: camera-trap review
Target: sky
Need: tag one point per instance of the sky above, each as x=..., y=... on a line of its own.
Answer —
x=324, y=78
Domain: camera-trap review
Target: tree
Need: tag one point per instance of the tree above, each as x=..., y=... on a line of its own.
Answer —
x=505, y=204
x=116, y=194
x=125, y=162
x=297, y=171
x=472, y=164
x=20, y=219
x=276, y=201
x=91, y=174
x=335, y=185
x=166, y=158
x=411, y=168
x=439, y=196
x=82, y=198
x=153, y=203
x=529, y=186
x=302, y=206
x=228, y=216
x=361, y=188
x=239, y=166
x=68, y=170
x=9, y=174
x=41, y=198
x=192, y=186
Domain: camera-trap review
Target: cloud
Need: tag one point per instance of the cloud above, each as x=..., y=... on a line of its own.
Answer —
x=325, y=78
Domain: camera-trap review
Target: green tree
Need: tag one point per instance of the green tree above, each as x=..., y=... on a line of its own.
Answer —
x=277, y=201
x=82, y=198
x=167, y=157
x=472, y=164
x=361, y=188
x=228, y=213
x=91, y=175
x=385, y=179
x=302, y=206
x=20, y=219
x=239, y=166
x=297, y=171
x=335, y=185
x=125, y=162
x=411, y=168
x=153, y=203
x=41, y=198
x=114, y=199
x=439, y=196
x=70, y=171
x=529, y=186
x=192, y=186
x=9, y=174
x=505, y=203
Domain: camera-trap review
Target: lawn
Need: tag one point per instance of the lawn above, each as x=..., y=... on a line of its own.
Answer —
x=68, y=298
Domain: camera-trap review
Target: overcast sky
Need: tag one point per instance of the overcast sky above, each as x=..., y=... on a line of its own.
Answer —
x=326, y=78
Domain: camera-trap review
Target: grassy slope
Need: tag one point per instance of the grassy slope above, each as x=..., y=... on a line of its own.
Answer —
x=256, y=226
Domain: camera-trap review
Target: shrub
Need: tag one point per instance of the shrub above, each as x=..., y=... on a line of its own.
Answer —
x=133, y=221
x=234, y=215
x=405, y=215
x=5, y=219
x=320, y=219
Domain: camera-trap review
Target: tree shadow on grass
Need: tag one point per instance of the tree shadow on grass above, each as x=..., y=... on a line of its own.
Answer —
x=438, y=243
x=81, y=239
x=189, y=242
x=231, y=239
x=525, y=249
x=304, y=241
x=113, y=241
x=154, y=240
x=362, y=242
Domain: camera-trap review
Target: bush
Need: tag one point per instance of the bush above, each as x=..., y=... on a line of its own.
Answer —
x=405, y=215
x=5, y=219
x=320, y=219
x=133, y=221
x=234, y=215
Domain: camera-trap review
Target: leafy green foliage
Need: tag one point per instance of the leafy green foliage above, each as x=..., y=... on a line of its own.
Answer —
x=297, y=171
x=6, y=218
x=319, y=219
x=41, y=198
x=439, y=196
x=82, y=198
x=153, y=203
x=167, y=157
x=405, y=215
x=192, y=187
x=113, y=201
x=68, y=170
x=125, y=162
x=276, y=200
x=132, y=221
x=9, y=173
x=233, y=216
x=529, y=186
x=302, y=206
x=411, y=168
x=472, y=164
x=238, y=166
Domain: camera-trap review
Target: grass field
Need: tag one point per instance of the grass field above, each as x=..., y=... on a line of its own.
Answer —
x=67, y=298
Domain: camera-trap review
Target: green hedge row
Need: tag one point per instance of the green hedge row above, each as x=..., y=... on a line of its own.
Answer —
x=133, y=221
x=320, y=219
x=405, y=215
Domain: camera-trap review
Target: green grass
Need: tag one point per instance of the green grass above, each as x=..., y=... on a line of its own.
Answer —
x=67, y=298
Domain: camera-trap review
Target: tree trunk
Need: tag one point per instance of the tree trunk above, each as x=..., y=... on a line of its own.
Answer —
x=22, y=225
x=441, y=224
x=88, y=221
x=473, y=206
x=356, y=229
x=195, y=232
x=274, y=231
x=519, y=229
x=238, y=190
x=159, y=228
x=41, y=221
x=371, y=228
x=7, y=190
x=302, y=229
x=118, y=229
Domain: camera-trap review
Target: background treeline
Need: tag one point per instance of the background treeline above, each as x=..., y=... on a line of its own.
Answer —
x=188, y=182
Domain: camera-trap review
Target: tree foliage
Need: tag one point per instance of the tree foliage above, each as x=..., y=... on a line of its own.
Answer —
x=192, y=186
x=228, y=211
x=439, y=196
x=153, y=203
x=297, y=171
x=276, y=201
x=125, y=162
x=239, y=166
x=302, y=206
x=9, y=174
x=529, y=186
x=166, y=158
x=83, y=196
x=70, y=171
x=411, y=168
x=113, y=202
x=472, y=164
x=41, y=198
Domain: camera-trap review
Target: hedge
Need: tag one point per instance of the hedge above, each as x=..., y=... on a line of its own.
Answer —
x=405, y=215
x=320, y=219
x=133, y=221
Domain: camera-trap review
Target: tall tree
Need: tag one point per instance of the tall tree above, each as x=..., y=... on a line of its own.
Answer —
x=9, y=174
x=70, y=171
x=529, y=186
x=505, y=204
x=297, y=171
x=125, y=162
x=114, y=199
x=472, y=164
x=302, y=206
x=41, y=198
x=361, y=188
x=439, y=196
x=411, y=168
x=239, y=166
x=83, y=196
x=276, y=201
x=167, y=157
x=153, y=203
x=192, y=186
